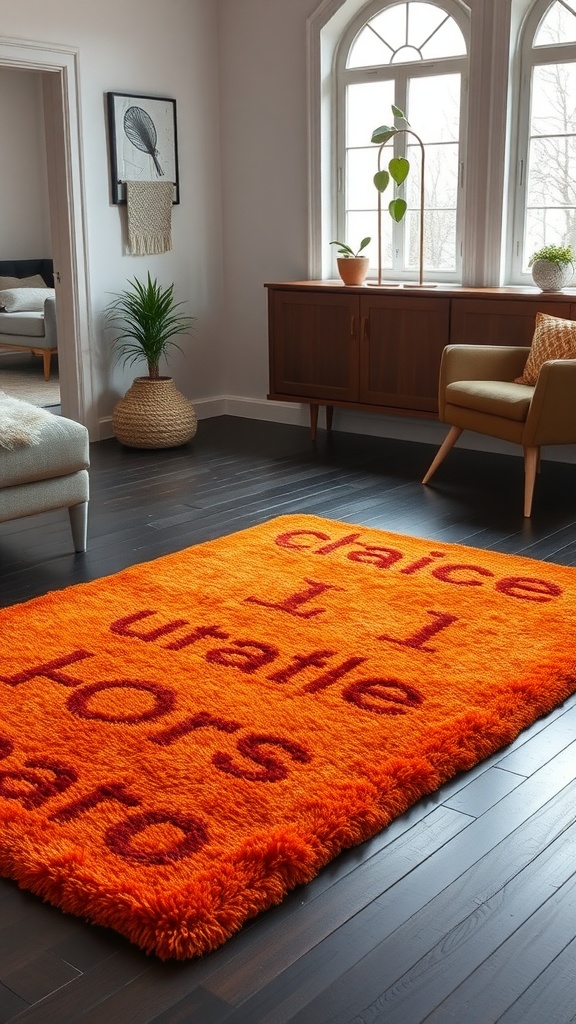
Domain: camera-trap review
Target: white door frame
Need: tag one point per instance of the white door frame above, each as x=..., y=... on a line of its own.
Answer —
x=59, y=66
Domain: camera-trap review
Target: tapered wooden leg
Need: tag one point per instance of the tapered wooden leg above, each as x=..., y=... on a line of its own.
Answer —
x=79, y=524
x=313, y=420
x=442, y=452
x=329, y=415
x=531, y=467
x=46, y=357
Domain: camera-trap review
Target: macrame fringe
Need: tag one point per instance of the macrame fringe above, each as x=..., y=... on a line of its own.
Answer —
x=146, y=245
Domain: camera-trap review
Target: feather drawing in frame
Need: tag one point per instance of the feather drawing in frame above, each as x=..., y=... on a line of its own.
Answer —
x=143, y=141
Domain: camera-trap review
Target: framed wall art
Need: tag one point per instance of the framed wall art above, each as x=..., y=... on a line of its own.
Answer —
x=143, y=141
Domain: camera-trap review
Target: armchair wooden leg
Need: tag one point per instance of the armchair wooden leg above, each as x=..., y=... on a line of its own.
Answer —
x=442, y=452
x=531, y=467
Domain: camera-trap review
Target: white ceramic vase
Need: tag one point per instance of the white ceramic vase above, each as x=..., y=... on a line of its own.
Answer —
x=551, y=277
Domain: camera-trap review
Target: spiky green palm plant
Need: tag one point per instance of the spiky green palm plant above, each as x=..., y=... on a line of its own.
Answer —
x=146, y=320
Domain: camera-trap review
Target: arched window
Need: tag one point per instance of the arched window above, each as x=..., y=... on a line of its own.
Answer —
x=544, y=199
x=413, y=55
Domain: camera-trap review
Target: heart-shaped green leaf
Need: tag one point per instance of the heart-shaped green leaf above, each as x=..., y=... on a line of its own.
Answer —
x=397, y=208
x=400, y=113
x=381, y=179
x=399, y=168
x=383, y=134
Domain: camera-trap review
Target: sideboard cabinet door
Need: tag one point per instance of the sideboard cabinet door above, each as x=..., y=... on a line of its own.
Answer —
x=488, y=321
x=314, y=345
x=401, y=342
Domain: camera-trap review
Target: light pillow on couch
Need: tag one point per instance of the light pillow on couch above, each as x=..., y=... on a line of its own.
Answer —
x=24, y=300
x=36, y=281
x=553, y=338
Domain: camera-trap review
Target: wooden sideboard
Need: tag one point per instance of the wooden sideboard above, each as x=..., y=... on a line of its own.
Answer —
x=379, y=348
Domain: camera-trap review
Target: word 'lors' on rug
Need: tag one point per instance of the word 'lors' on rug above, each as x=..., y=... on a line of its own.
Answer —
x=184, y=742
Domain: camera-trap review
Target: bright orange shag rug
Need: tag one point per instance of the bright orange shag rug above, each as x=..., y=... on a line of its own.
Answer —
x=182, y=743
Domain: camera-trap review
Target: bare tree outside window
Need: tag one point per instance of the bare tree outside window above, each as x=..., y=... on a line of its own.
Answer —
x=551, y=187
x=544, y=199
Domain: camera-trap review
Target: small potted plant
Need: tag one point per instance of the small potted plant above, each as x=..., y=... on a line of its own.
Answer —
x=153, y=413
x=552, y=267
x=352, y=267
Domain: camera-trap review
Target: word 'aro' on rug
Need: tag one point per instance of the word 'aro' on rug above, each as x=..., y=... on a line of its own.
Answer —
x=182, y=743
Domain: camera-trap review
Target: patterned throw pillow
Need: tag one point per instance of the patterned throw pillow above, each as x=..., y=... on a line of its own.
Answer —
x=36, y=281
x=554, y=338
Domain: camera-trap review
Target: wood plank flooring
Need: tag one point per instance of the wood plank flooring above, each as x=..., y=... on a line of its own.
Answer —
x=464, y=909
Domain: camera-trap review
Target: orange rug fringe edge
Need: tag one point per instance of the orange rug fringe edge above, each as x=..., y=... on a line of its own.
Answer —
x=267, y=868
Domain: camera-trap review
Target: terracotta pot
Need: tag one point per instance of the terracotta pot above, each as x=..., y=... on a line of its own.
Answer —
x=551, y=277
x=354, y=269
x=154, y=414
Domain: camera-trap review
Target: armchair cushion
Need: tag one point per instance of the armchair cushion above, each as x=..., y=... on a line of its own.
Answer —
x=494, y=397
x=554, y=338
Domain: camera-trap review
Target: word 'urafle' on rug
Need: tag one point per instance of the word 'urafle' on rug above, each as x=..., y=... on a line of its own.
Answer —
x=184, y=742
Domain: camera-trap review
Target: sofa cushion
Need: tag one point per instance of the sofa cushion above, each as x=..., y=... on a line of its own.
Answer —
x=554, y=338
x=27, y=325
x=62, y=449
x=494, y=397
x=36, y=281
x=24, y=300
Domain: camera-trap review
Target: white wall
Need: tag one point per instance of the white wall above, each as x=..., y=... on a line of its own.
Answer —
x=263, y=111
x=24, y=220
x=167, y=49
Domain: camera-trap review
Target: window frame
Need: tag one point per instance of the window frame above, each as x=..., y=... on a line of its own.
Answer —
x=529, y=57
x=399, y=73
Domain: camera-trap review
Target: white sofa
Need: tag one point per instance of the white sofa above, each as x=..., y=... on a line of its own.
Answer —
x=30, y=330
x=48, y=469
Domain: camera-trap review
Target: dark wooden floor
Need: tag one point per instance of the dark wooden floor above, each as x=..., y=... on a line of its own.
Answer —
x=464, y=909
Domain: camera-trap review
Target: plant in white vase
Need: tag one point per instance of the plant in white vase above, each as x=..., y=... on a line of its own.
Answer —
x=552, y=267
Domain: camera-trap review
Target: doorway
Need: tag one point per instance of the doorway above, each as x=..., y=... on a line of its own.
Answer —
x=59, y=70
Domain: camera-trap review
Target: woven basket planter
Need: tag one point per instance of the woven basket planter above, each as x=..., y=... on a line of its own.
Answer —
x=154, y=414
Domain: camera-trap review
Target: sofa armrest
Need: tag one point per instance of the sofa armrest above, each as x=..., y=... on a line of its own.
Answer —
x=551, y=418
x=50, y=322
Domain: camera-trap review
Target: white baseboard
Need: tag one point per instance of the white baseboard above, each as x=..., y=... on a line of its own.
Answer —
x=403, y=428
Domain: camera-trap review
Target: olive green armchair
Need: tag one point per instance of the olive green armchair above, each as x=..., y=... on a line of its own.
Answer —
x=477, y=392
